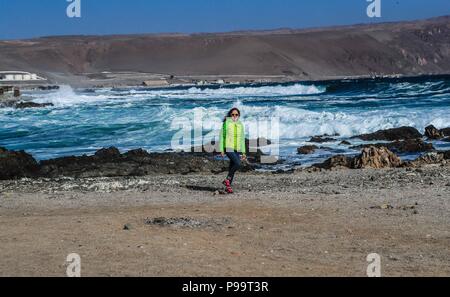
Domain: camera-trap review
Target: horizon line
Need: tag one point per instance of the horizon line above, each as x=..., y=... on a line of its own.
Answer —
x=232, y=32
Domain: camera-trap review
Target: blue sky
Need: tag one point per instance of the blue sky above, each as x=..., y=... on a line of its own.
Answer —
x=33, y=18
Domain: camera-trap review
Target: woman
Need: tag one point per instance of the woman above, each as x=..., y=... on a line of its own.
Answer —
x=232, y=144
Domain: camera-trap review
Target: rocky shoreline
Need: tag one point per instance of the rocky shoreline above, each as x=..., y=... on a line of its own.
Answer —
x=110, y=162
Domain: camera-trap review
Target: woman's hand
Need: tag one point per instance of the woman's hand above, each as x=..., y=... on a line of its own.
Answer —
x=222, y=154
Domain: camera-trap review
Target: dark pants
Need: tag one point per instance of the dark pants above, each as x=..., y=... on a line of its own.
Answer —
x=235, y=164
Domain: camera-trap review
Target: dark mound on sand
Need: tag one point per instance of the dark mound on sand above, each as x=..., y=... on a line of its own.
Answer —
x=108, y=163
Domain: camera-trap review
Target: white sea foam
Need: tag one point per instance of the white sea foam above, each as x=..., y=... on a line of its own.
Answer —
x=297, y=89
x=296, y=121
x=301, y=123
x=66, y=96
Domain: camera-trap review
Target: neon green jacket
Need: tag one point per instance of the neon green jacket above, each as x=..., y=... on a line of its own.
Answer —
x=232, y=136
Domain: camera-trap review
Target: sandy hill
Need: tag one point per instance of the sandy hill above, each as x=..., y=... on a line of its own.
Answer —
x=410, y=48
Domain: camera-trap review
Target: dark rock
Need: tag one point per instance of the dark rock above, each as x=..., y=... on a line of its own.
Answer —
x=402, y=146
x=281, y=171
x=428, y=158
x=108, y=153
x=21, y=105
x=446, y=155
x=391, y=134
x=345, y=142
x=307, y=149
x=48, y=88
x=338, y=161
x=109, y=162
x=15, y=165
x=432, y=133
x=321, y=139
x=383, y=206
x=445, y=131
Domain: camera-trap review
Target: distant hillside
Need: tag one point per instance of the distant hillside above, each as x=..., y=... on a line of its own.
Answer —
x=409, y=48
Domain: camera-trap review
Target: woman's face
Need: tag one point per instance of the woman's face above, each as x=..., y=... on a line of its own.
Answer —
x=235, y=115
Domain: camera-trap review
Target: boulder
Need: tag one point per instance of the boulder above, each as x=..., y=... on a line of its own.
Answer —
x=428, y=158
x=445, y=131
x=307, y=149
x=345, y=142
x=432, y=133
x=373, y=157
x=335, y=162
x=321, y=139
x=15, y=165
x=391, y=134
x=402, y=146
x=370, y=157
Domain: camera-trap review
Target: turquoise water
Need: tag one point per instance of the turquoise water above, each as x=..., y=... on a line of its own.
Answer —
x=82, y=121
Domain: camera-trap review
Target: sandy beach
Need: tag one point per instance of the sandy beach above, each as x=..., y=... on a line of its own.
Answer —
x=321, y=223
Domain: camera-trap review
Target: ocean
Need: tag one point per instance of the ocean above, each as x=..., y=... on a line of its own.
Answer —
x=83, y=121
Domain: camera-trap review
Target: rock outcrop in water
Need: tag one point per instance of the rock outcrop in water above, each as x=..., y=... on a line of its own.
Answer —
x=433, y=133
x=400, y=133
x=445, y=131
x=322, y=138
x=307, y=149
x=402, y=146
x=23, y=104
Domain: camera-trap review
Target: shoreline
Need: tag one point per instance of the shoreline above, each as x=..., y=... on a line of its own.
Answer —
x=250, y=80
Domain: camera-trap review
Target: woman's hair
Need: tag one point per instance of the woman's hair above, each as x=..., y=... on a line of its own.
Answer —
x=230, y=112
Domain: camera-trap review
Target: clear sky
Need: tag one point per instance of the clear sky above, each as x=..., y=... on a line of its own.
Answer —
x=33, y=18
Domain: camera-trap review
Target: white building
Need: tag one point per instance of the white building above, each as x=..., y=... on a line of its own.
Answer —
x=19, y=76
